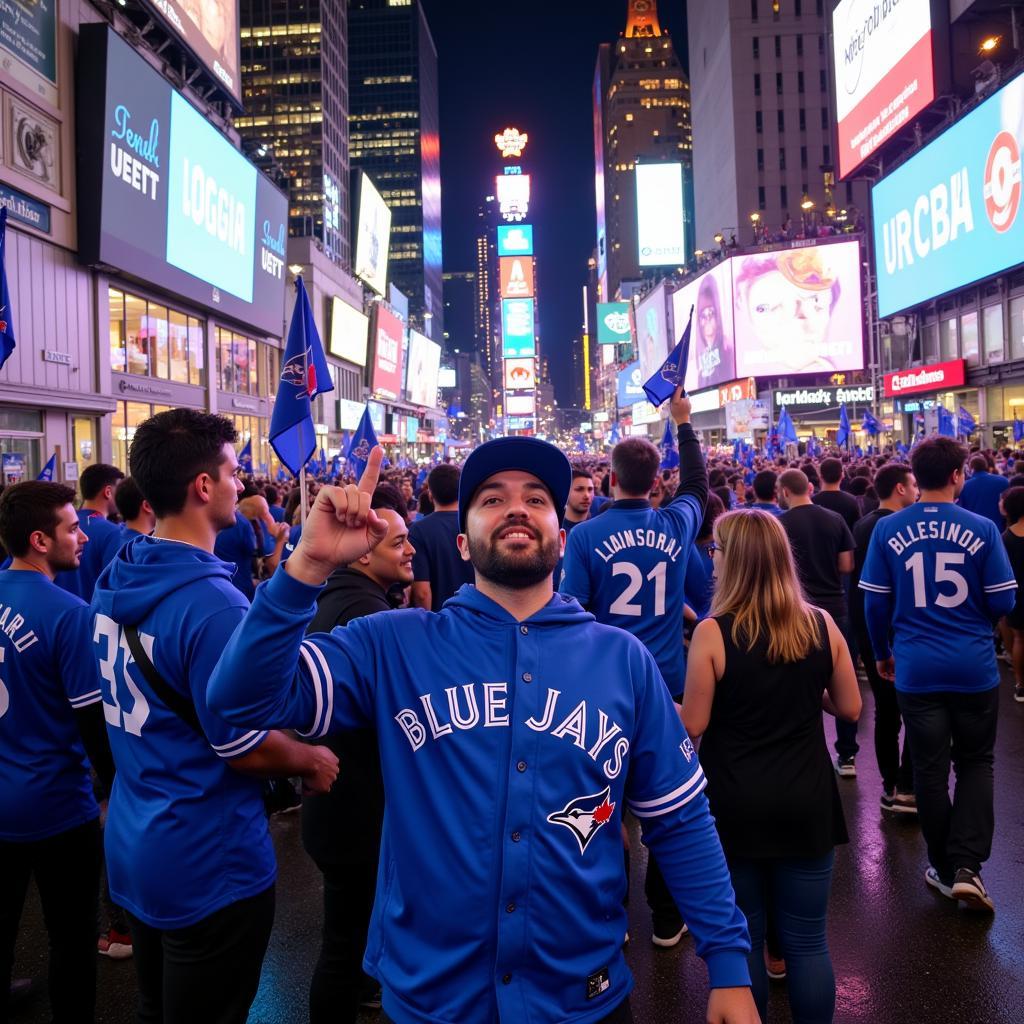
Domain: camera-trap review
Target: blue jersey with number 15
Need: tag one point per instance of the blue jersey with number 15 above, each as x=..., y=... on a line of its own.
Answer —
x=945, y=574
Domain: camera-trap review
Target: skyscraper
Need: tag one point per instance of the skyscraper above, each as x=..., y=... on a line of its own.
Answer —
x=295, y=91
x=395, y=139
x=641, y=115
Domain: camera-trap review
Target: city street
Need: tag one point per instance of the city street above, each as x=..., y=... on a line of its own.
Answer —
x=902, y=954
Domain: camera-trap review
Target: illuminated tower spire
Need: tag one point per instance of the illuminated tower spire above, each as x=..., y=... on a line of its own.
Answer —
x=642, y=20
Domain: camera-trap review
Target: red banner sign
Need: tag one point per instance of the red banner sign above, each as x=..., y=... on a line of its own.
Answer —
x=925, y=378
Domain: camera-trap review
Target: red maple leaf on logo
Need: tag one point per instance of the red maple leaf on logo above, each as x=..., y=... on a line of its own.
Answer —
x=603, y=813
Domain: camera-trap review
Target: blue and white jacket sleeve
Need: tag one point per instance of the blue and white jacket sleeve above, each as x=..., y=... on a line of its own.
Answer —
x=999, y=581
x=876, y=582
x=665, y=791
x=575, y=570
x=271, y=676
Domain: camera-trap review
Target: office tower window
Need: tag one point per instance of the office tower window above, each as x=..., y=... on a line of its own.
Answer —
x=796, y=8
x=826, y=155
x=778, y=83
x=758, y=121
x=824, y=119
x=782, y=121
x=757, y=85
x=760, y=159
x=784, y=198
x=782, y=158
x=803, y=120
x=803, y=157
x=799, y=81
x=823, y=81
x=821, y=44
x=757, y=48
x=799, y=46
x=761, y=203
x=753, y=9
x=778, y=46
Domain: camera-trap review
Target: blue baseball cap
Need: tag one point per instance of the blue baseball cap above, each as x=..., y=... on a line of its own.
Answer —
x=528, y=454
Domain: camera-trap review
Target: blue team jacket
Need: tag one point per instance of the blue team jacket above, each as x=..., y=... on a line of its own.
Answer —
x=509, y=753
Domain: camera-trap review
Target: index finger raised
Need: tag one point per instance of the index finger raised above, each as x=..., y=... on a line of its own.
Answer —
x=371, y=475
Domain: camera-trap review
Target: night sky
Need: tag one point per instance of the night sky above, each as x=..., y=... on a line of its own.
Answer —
x=529, y=64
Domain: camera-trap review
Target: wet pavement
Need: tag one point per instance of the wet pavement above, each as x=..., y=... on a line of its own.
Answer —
x=902, y=954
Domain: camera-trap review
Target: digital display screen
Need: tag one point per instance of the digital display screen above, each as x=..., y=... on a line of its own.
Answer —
x=652, y=332
x=424, y=367
x=520, y=405
x=515, y=240
x=630, y=387
x=167, y=199
x=373, y=236
x=517, y=328
x=513, y=192
x=516, y=277
x=386, y=377
x=613, y=325
x=951, y=215
x=447, y=377
x=659, y=212
x=520, y=375
x=350, y=332
x=712, y=337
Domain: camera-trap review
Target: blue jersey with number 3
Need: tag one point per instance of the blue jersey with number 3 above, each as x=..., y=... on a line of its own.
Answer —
x=945, y=574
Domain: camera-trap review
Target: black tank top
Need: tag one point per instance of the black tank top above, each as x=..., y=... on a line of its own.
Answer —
x=770, y=780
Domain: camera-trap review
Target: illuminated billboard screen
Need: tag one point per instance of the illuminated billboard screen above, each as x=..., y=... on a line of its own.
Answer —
x=515, y=240
x=513, y=192
x=520, y=375
x=517, y=335
x=652, y=331
x=520, y=405
x=210, y=30
x=630, y=389
x=386, y=375
x=712, y=350
x=799, y=311
x=516, y=275
x=424, y=367
x=951, y=214
x=349, y=332
x=447, y=377
x=373, y=236
x=884, y=72
x=165, y=197
x=661, y=232
x=613, y=326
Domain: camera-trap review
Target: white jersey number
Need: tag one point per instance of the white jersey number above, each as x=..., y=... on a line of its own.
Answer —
x=943, y=574
x=624, y=604
x=5, y=696
x=131, y=721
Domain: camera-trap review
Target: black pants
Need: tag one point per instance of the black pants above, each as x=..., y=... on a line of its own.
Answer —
x=622, y=1014
x=208, y=972
x=846, y=732
x=957, y=727
x=896, y=770
x=338, y=979
x=67, y=873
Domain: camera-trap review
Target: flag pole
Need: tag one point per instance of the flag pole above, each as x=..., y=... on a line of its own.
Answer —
x=302, y=495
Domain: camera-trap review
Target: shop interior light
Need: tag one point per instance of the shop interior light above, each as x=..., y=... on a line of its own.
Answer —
x=755, y=218
x=989, y=44
x=295, y=269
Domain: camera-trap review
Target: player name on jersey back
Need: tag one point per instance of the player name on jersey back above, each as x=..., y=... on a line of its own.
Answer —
x=9, y=626
x=933, y=529
x=638, y=538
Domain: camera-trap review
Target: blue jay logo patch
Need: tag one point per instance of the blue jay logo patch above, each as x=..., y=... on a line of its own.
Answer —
x=585, y=816
x=687, y=748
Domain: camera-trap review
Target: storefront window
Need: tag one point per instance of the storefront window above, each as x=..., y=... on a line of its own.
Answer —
x=83, y=441
x=992, y=329
x=255, y=429
x=930, y=343
x=969, y=338
x=1016, y=331
x=178, y=345
x=136, y=335
x=118, y=356
x=150, y=340
x=236, y=363
x=196, y=351
x=947, y=339
x=127, y=417
x=1012, y=404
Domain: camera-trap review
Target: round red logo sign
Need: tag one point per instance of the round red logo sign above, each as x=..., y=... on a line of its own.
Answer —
x=1002, y=182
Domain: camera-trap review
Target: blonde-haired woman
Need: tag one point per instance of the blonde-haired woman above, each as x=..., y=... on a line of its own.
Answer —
x=759, y=671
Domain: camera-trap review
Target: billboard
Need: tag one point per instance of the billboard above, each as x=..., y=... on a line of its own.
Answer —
x=513, y=192
x=630, y=386
x=515, y=240
x=613, y=326
x=516, y=275
x=373, y=236
x=652, y=331
x=386, y=372
x=712, y=347
x=521, y=405
x=166, y=198
x=661, y=232
x=28, y=32
x=882, y=55
x=210, y=30
x=517, y=336
x=799, y=311
x=950, y=215
x=742, y=418
x=934, y=377
x=520, y=375
x=424, y=367
x=447, y=377
x=349, y=332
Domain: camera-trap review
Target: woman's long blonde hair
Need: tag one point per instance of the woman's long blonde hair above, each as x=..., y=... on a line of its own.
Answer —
x=759, y=587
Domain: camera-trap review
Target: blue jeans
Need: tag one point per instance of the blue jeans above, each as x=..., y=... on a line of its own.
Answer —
x=798, y=889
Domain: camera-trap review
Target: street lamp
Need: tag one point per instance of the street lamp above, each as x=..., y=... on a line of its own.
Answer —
x=807, y=203
x=755, y=221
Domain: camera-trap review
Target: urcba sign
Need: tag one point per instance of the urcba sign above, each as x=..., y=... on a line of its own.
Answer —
x=950, y=215
x=515, y=240
x=884, y=72
x=165, y=197
x=613, y=326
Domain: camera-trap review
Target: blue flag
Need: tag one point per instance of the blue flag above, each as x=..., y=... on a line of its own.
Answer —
x=673, y=371
x=280, y=475
x=1018, y=430
x=870, y=423
x=7, y=342
x=49, y=469
x=785, y=427
x=364, y=440
x=966, y=423
x=843, y=433
x=902, y=448
x=946, y=428
x=336, y=466
x=615, y=435
x=304, y=375
x=245, y=458
x=669, y=451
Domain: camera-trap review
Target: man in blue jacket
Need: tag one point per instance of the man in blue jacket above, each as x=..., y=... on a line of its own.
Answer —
x=982, y=491
x=508, y=759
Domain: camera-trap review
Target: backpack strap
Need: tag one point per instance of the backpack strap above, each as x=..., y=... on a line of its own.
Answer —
x=175, y=701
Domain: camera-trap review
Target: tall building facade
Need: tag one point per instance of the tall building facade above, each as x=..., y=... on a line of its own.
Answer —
x=641, y=115
x=295, y=126
x=395, y=139
x=762, y=131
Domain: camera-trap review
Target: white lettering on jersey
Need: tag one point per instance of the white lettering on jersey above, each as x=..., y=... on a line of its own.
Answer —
x=933, y=529
x=639, y=538
x=10, y=628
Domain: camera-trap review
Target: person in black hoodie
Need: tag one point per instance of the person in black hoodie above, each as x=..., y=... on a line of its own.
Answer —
x=341, y=829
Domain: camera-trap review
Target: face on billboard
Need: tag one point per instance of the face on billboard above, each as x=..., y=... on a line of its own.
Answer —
x=712, y=351
x=424, y=366
x=349, y=332
x=520, y=375
x=799, y=311
x=373, y=236
x=387, y=356
x=652, y=332
x=516, y=273
x=884, y=74
x=515, y=240
x=513, y=191
x=951, y=214
x=517, y=318
x=659, y=212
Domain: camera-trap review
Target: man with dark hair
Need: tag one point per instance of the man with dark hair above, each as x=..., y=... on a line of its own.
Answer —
x=982, y=491
x=98, y=485
x=188, y=852
x=628, y=567
x=273, y=496
x=830, y=496
x=765, y=492
x=581, y=497
x=438, y=569
x=935, y=579
x=896, y=489
x=137, y=513
x=50, y=716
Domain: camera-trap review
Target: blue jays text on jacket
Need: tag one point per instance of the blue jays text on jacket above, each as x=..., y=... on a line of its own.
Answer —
x=509, y=753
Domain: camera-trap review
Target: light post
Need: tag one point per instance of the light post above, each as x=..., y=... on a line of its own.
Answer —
x=755, y=221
